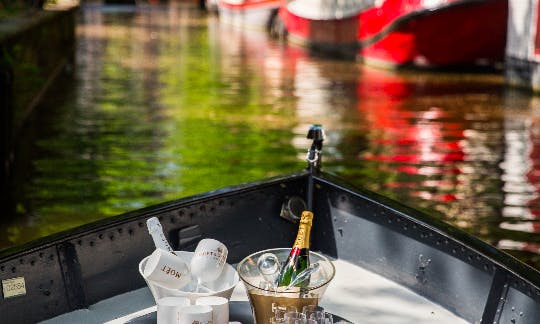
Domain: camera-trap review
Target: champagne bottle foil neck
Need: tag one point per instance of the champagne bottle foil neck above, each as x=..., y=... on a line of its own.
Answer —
x=302, y=238
x=306, y=218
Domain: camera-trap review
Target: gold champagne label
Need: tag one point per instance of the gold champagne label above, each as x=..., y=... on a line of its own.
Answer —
x=302, y=238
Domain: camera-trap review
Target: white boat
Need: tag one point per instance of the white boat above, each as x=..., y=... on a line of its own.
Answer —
x=256, y=14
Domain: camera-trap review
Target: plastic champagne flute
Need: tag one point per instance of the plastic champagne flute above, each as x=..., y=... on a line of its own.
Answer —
x=208, y=261
x=269, y=267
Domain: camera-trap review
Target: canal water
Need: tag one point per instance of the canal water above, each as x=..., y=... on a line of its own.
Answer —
x=165, y=102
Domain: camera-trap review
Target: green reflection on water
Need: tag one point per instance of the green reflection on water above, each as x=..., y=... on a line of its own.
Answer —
x=165, y=104
x=132, y=133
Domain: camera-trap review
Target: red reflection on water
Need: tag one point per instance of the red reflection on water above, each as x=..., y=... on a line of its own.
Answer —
x=407, y=137
x=416, y=157
x=410, y=140
x=436, y=197
x=532, y=247
x=533, y=174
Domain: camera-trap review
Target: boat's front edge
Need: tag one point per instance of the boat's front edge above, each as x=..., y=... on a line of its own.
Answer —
x=446, y=265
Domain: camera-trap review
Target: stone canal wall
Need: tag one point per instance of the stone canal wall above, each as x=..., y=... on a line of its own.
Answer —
x=34, y=48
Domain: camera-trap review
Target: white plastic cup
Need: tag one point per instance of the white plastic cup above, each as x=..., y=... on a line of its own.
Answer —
x=208, y=260
x=220, y=308
x=169, y=307
x=167, y=269
x=201, y=314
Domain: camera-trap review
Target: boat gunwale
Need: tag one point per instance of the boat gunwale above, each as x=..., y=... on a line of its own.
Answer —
x=145, y=212
x=345, y=15
x=239, y=7
x=500, y=258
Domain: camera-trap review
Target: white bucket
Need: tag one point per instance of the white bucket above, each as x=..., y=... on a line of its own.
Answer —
x=223, y=286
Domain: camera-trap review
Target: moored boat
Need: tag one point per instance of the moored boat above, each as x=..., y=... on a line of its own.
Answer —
x=248, y=13
x=322, y=25
x=433, y=33
x=384, y=253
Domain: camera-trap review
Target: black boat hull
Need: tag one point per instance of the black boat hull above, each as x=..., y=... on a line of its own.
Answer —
x=477, y=282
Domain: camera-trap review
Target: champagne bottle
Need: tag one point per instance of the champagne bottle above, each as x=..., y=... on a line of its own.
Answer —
x=298, y=259
x=156, y=231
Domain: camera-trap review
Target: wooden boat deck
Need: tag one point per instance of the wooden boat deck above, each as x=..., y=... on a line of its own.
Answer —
x=368, y=298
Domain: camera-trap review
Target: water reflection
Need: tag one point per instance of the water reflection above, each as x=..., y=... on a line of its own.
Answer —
x=521, y=175
x=426, y=140
x=168, y=102
x=465, y=151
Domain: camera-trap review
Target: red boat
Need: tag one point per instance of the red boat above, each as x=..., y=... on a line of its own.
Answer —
x=433, y=32
x=395, y=33
x=248, y=13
